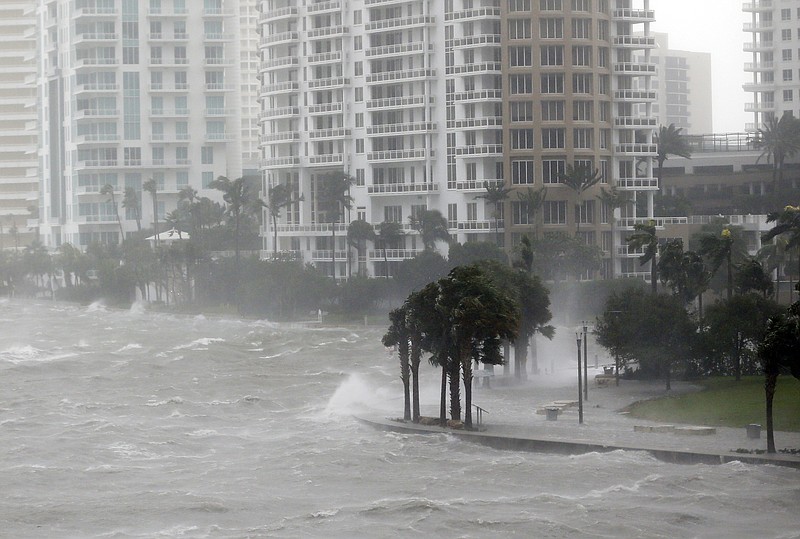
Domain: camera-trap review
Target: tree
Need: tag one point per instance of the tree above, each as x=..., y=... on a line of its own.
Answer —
x=684, y=272
x=750, y=276
x=132, y=204
x=432, y=227
x=774, y=258
x=779, y=353
x=108, y=189
x=532, y=201
x=495, y=194
x=359, y=232
x=398, y=335
x=644, y=237
x=670, y=141
x=334, y=198
x=719, y=249
x=613, y=198
x=152, y=187
x=778, y=140
x=241, y=198
x=579, y=178
x=389, y=233
x=787, y=224
x=280, y=196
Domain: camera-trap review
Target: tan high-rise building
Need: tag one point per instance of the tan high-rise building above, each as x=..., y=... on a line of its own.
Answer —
x=18, y=121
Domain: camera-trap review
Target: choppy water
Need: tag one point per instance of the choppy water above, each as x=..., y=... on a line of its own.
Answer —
x=131, y=424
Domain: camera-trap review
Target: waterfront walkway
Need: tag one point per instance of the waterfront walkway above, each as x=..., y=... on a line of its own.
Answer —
x=512, y=423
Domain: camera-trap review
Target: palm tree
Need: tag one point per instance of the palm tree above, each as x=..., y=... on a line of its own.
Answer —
x=787, y=224
x=241, y=198
x=280, y=196
x=579, y=179
x=389, y=233
x=130, y=201
x=778, y=140
x=613, y=199
x=432, y=227
x=684, y=272
x=359, y=232
x=495, y=194
x=670, y=141
x=775, y=258
x=532, y=200
x=108, y=189
x=644, y=237
x=719, y=249
x=398, y=335
x=334, y=198
x=152, y=187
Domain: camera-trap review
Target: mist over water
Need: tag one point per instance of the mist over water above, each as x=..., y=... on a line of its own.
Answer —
x=131, y=424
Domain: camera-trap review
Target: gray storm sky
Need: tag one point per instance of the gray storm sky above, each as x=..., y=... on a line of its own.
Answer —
x=713, y=26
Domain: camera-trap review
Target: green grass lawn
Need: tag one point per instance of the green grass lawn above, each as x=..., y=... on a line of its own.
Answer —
x=725, y=402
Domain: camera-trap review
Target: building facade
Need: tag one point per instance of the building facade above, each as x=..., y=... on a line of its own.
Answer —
x=131, y=91
x=18, y=120
x=774, y=42
x=425, y=102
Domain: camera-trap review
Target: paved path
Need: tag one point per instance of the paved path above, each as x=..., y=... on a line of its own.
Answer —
x=511, y=414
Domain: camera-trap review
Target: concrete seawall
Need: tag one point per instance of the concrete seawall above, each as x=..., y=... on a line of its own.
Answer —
x=518, y=441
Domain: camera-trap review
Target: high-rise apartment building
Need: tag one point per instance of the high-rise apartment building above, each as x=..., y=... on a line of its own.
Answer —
x=684, y=87
x=18, y=119
x=133, y=90
x=774, y=30
x=424, y=102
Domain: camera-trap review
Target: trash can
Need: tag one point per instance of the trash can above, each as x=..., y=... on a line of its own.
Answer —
x=552, y=413
x=754, y=431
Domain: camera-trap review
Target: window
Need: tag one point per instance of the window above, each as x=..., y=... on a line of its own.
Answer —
x=551, y=28
x=552, y=111
x=519, y=212
x=359, y=119
x=553, y=138
x=786, y=14
x=522, y=139
x=207, y=155
x=359, y=94
x=582, y=111
x=552, y=169
x=602, y=57
x=553, y=83
x=359, y=68
x=582, y=56
x=393, y=214
x=552, y=55
x=550, y=5
x=787, y=75
x=582, y=28
x=520, y=56
x=520, y=84
x=521, y=111
x=207, y=178
x=581, y=5
x=519, y=29
x=555, y=212
x=786, y=54
x=357, y=16
x=582, y=83
x=472, y=211
x=584, y=212
x=360, y=177
x=357, y=43
x=788, y=95
x=522, y=172
x=133, y=156
x=519, y=5
x=359, y=145
x=786, y=34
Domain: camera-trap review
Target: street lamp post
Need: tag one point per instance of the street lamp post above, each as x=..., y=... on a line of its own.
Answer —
x=585, y=364
x=580, y=380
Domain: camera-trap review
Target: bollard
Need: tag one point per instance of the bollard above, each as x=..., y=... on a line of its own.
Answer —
x=552, y=413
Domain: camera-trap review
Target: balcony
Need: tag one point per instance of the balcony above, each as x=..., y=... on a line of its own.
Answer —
x=289, y=161
x=217, y=62
x=635, y=96
x=637, y=150
x=176, y=12
x=477, y=185
x=402, y=188
x=757, y=5
x=327, y=32
x=216, y=112
x=476, y=123
x=219, y=137
x=402, y=76
x=389, y=103
x=324, y=108
x=326, y=255
x=760, y=26
x=103, y=12
x=280, y=63
x=400, y=155
x=759, y=46
x=93, y=113
x=759, y=66
x=94, y=37
x=483, y=150
x=476, y=226
x=97, y=163
x=219, y=87
x=279, y=38
x=481, y=13
x=633, y=15
x=213, y=12
x=321, y=7
x=379, y=255
x=281, y=137
x=403, y=23
x=402, y=129
x=169, y=113
x=325, y=58
x=324, y=228
x=394, y=50
x=480, y=40
x=280, y=88
x=637, y=184
x=325, y=160
x=274, y=15
x=632, y=122
x=479, y=95
x=158, y=87
x=635, y=69
x=475, y=69
x=97, y=138
x=329, y=134
x=764, y=106
x=93, y=88
x=635, y=42
x=759, y=86
x=96, y=62
x=335, y=82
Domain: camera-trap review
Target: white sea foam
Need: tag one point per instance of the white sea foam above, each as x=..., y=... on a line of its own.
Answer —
x=200, y=344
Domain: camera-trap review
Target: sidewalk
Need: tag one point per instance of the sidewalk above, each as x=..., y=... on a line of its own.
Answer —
x=511, y=414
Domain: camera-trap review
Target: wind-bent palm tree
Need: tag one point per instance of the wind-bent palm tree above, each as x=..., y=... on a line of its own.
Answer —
x=579, y=179
x=778, y=140
x=644, y=237
x=334, y=198
x=495, y=194
x=432, y=227
x=718, y=250
x=613, y=198
x=389, y=233
x=359, y=232
x=152, y=187
x=684, y=272
x=775, y=257
x=670, y=141
x=130, y=201
x=280, y=196
x=533, y=200
x=787, y=224
x=241, y=197
x=398, y=335
x=108, y=189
